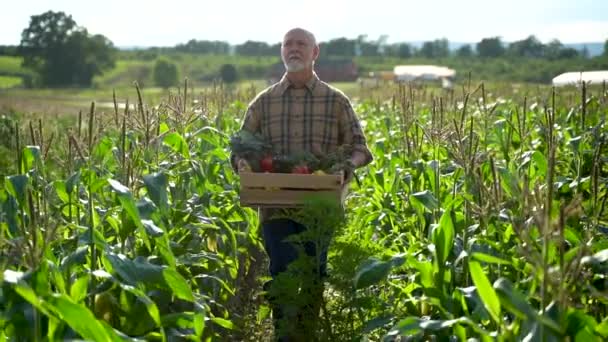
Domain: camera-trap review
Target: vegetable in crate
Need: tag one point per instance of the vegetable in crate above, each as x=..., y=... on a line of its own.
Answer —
x=304, y=163
x=251, y=147
x=266, y=164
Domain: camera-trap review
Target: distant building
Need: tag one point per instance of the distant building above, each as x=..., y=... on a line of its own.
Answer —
x=577, y=77
x=408, y=73
x=328, y=70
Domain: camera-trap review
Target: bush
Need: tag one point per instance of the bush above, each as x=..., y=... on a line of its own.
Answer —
x=165, y=73
x=228, y=73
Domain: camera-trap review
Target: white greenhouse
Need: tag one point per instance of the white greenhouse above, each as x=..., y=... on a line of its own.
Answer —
x=406, y=73
x=577, y=77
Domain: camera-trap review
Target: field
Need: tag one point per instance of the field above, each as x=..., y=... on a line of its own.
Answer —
x=483, y=216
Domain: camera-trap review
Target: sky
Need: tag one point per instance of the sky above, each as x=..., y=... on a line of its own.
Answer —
x=129, y=23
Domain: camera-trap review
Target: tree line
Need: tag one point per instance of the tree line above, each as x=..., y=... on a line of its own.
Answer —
x=62, y=53
x=530, y=47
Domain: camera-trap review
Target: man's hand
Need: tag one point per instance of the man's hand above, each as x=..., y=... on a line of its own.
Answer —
x=342, y=174
x=346, y=175
x=242, y=165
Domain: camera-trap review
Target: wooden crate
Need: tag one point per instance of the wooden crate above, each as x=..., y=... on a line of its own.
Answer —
x=287, y=190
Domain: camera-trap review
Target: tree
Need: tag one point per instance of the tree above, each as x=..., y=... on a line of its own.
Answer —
x=490, y=47
x=606, y=48
x=204, y=47
x=435, y=49
x=404, y=50
x=253, y=48
x=530, y=47
x=339, y=47
x=556, y=50
x=465, y=51
x=165, y=73
x=63, y=53
x=228, y=73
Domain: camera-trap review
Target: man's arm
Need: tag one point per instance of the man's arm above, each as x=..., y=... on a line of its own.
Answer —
x=251, y=123
x=352, y=134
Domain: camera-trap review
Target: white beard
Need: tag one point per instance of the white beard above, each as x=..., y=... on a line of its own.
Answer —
x=294, y=66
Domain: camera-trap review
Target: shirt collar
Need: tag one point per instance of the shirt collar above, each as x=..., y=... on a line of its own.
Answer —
x=285, y=83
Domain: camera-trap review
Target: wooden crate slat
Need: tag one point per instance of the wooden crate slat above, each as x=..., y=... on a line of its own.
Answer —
x=282, y=190
x=288, y=180
x=282, y=198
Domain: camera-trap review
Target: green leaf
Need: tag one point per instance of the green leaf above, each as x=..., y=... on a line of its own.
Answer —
x=128, y=204
x=150, y=275
x=77, y=257
x=485, y=290
x=72, y=182
x=443, y=237
x=575, y=143
x=540, y=162
x=413, y=325
x=78, y=290
x=81, y=319
x=177, y=144
x=59, y=187
x=426, y=198
x=151, y=228
x=578, y=321
x=489, y=258
x=223, y=322
x=30, y=156
x=17, y=187
x=376, y=323
x=263, y=313
x=602, y=328
x=29, y=295
x=426, y=271
x=513, y=300
x=178, y=284
x=119, y=188
x=371, y=272
x=164, y=249
x=151, y=307
x=225, y=285
x=156, y=184
x=136, y=272
x=199, y=324
x=406, y=326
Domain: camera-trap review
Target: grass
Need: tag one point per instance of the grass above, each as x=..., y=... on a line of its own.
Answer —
x=10, y=65
x=72, y=100
x=10, y=82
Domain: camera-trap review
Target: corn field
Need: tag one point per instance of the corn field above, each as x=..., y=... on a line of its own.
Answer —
x=483, y=216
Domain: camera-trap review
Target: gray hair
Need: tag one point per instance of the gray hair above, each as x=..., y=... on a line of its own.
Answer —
x=309, y=35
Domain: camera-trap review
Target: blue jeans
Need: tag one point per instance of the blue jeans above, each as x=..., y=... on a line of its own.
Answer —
x=282, y=253
x=294, y=318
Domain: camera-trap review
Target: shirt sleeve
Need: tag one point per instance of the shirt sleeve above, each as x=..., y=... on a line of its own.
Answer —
x=351, y=132
x=251, y=123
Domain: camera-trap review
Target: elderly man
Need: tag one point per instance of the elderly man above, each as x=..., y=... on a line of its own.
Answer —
x=301, y=113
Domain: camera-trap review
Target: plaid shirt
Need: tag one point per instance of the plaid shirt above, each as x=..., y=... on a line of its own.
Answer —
x=317, y=118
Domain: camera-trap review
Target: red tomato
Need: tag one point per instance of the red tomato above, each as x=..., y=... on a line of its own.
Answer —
x=302, y=169
x=266, y=164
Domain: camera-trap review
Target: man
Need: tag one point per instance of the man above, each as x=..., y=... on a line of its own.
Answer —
x=301, y=113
